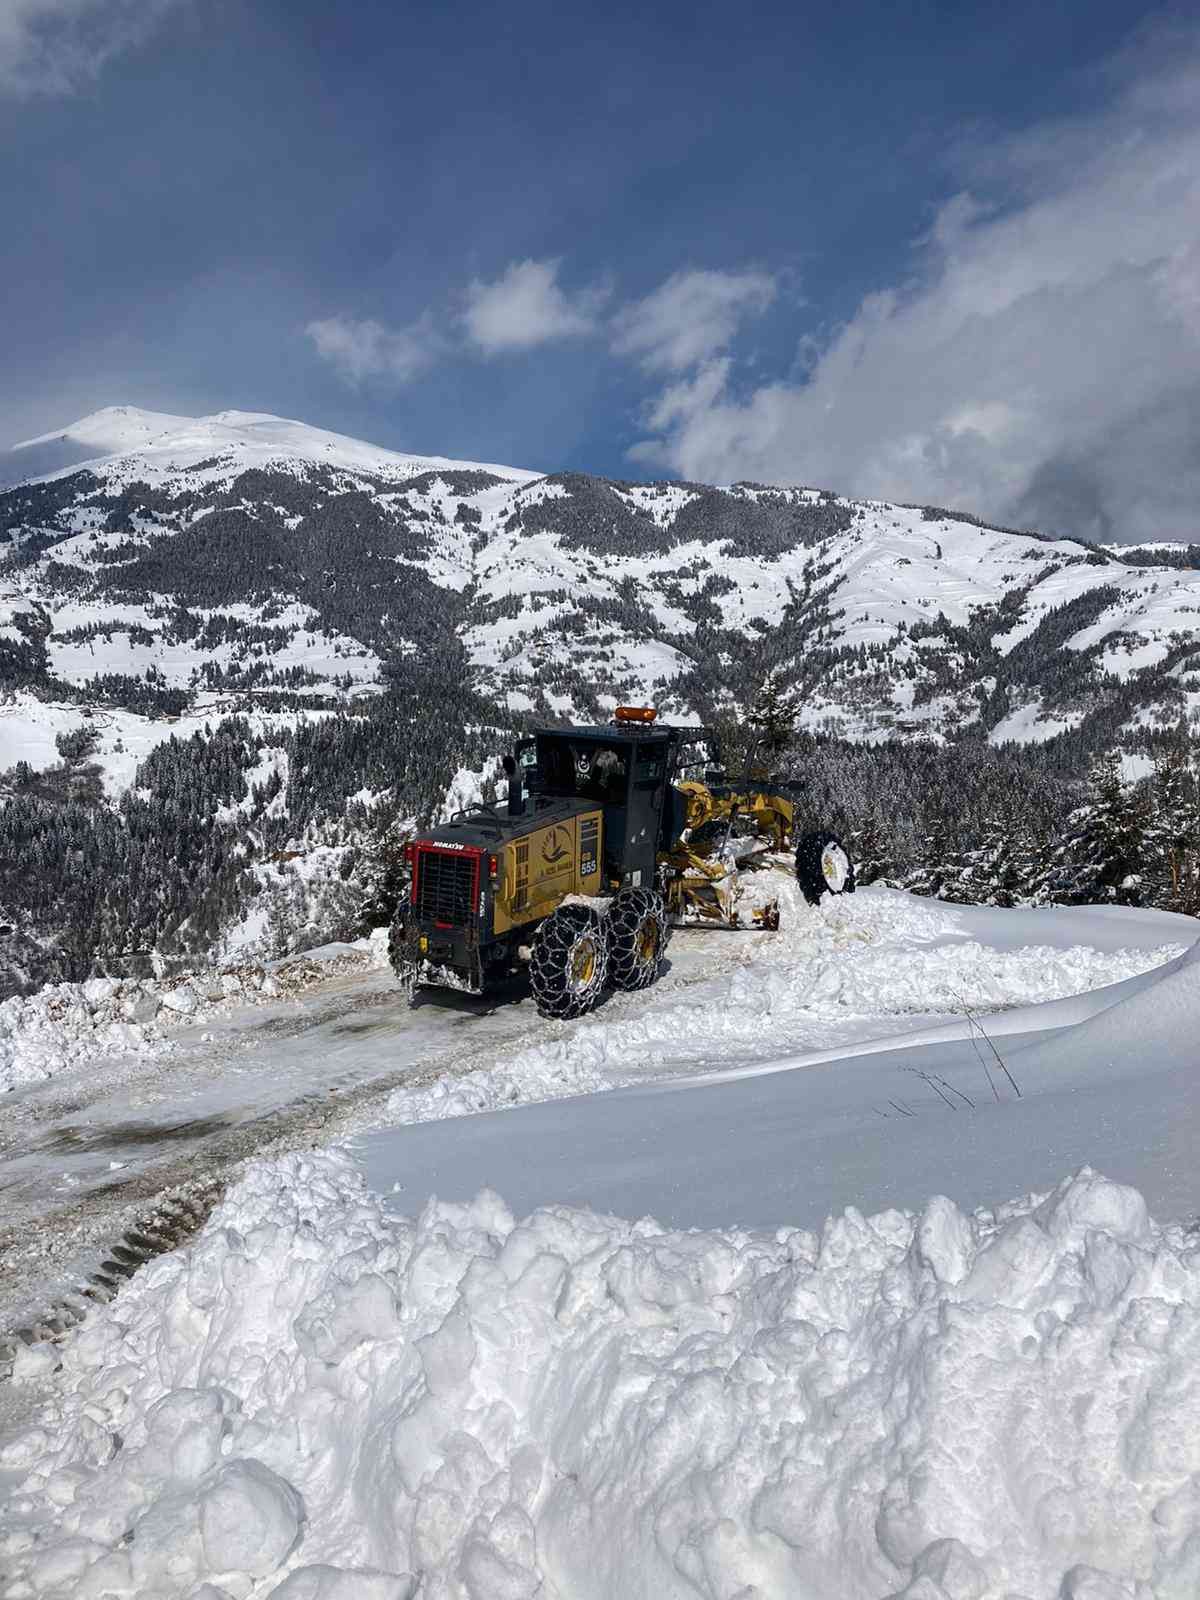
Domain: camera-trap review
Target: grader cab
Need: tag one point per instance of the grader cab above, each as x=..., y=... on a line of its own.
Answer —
x=609, y=837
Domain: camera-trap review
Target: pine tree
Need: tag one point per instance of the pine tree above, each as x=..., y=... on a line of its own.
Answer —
x=939, y=872
x=1005, y=869
x=382, y=872
x=1173, y=836
x=1103, y=852
x=870, y=852
x=773, y=717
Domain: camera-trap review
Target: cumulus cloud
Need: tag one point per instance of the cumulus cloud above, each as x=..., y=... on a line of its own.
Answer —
x=690, y=318
x=523, y=308
x=58, y=46
x=1042, y=362
x=526, y=306
x=361, y=350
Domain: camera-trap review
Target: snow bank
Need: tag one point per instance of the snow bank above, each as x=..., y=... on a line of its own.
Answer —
x=67, y=1025
x=1161, y=1016
x=315, y=1400
x=552, y=1071
x=881, y=953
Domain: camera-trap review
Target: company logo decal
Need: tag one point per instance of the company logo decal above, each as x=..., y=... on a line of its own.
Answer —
x=554, y=846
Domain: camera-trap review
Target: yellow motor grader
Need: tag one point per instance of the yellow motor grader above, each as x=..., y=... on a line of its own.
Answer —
x=607, y=839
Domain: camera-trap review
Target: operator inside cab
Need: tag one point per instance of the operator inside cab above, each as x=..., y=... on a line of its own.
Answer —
x=599, y=774
x=583, y=769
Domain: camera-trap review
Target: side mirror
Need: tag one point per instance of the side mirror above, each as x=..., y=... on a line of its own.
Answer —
x=509, y=763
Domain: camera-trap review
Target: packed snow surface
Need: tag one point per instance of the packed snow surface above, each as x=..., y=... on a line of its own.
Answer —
x=729, y=1111
x=318, y=1399
x=828, y=975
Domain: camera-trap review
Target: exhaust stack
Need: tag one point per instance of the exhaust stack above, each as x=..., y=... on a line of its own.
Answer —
x=516, y=794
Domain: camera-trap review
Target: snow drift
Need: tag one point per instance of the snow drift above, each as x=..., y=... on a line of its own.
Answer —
x=831, y=977
x=316, y=1400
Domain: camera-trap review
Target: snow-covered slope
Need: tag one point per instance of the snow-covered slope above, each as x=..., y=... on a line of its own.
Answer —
x=132, y=443
x=110, y=431
x=255, y=555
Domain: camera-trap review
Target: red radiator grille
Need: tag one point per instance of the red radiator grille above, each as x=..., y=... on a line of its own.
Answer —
x=445, y=885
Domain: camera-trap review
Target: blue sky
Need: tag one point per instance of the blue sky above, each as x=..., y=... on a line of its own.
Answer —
x=944, y=252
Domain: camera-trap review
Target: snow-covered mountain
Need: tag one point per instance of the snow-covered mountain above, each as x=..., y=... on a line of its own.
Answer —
x=241, y=559
x=162, y=444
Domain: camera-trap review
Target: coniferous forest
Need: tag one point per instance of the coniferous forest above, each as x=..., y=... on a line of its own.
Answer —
x=197, y=843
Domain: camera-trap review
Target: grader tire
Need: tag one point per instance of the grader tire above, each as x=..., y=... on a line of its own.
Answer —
x=568, y=966
x=401, y=954
x=638, y=931
x=823, y=866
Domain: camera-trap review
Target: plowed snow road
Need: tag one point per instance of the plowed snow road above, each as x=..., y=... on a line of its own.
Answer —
x=92, y=1155
x=87, y=1155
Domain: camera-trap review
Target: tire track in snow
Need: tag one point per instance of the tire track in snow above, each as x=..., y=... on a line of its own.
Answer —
x=175, y=1216
x=83, y=1252
x=49, y=1253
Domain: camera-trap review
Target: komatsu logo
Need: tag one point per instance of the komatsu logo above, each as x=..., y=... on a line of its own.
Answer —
x=554, y=846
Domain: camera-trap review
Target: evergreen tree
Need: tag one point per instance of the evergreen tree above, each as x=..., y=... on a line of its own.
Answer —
x=773, y=717
x=1006, y=867
x=382, y=871
x=1103, y=853
x=940, y=872
x=1173, y=836
x=870, y=851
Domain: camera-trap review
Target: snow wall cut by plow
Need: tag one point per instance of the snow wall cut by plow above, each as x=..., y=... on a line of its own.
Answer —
x=317, y=1400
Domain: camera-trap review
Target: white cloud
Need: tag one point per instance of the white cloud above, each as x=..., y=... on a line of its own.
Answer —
x=526, y=307
x=521, y=309
x=1043, y=363
x=690, y=318
x=689, y=396
x=686, y=322
x=361, y=350
x=57, y=46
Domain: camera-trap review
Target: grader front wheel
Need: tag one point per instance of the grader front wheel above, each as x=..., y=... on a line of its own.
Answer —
x=823, y=866
x=403, y=954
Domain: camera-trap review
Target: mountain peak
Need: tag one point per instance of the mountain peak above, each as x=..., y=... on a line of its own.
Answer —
x=159, y=442
x=110, y=429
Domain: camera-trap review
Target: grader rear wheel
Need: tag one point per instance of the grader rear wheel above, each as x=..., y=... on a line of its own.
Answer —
x=568, y=966
x=823, y=867
x=638, y=932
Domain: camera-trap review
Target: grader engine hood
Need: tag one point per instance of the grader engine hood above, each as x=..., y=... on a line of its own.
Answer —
x=552, y=859
x=485, y=876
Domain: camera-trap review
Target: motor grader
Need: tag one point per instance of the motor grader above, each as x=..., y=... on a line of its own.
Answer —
x=609, y=837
